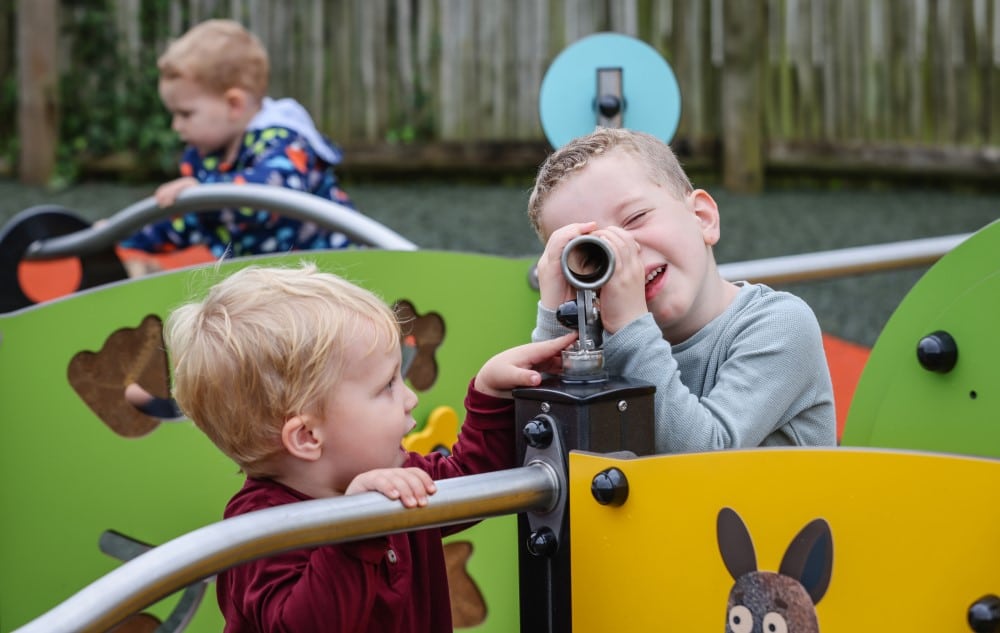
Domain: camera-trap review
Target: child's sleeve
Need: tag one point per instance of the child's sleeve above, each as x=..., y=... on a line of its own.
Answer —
x=307, y=590
x=546, y=325
x=485, y=443
x=178, y=232
x=771, y=375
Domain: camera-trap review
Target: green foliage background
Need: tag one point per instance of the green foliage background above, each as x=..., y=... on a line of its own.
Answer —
x=116, y=104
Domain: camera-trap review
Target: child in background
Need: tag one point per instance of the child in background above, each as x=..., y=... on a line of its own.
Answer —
x=734, y=364
x=214, y=82
x=295, y=375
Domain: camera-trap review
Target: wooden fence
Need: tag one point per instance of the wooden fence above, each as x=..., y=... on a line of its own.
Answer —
x=890, y=83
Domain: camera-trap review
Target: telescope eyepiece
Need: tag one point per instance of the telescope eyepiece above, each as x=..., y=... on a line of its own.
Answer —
x=587, y=262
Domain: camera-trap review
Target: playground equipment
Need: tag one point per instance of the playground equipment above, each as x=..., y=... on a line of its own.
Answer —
x=49, y=232
x=611, y=80
x=897, y=520
x=833, y=538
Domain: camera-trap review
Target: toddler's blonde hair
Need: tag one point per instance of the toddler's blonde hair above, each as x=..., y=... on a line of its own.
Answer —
x=218, y=55
x=264, y=345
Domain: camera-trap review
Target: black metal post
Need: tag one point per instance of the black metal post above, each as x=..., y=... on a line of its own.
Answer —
x=556, y=417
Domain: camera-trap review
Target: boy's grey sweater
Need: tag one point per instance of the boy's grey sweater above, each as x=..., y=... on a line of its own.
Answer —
x=756, y=375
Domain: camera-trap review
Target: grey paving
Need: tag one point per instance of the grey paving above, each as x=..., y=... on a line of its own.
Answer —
x=490, y=218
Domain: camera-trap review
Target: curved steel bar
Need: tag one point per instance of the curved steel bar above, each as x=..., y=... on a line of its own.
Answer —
x=843, y=262
x=297, y=204
x=206, y=551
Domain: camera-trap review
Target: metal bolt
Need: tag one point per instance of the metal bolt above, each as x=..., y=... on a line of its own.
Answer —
x=542, y=542
x=539, y=430
x=622, y=405
x=937, y=352
x=610, y=487
x=984, y=614
x=546, y=407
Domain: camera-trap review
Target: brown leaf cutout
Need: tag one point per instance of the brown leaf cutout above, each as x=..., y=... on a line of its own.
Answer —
x=467, y=605
x=128, y=355
x=425, y=334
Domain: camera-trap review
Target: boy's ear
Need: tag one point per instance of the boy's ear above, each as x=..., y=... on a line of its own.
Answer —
x=299, y=440
x=707, y=213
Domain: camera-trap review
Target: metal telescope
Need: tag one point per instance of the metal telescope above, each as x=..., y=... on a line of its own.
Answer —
x=587, y=264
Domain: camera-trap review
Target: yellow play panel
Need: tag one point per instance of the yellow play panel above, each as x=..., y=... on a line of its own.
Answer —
x=906, y=540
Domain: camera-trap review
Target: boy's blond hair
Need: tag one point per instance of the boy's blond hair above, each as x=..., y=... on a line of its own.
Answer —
x=218, y=55
x=264, y=345
x=662, y=164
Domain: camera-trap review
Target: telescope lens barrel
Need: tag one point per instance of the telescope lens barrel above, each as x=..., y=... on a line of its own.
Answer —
x=587, y=262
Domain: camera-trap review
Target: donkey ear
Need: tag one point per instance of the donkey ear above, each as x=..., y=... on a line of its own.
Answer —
x=735, y=544
x=809, y=558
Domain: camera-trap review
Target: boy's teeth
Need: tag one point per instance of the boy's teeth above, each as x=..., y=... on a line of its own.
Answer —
x=651, y=276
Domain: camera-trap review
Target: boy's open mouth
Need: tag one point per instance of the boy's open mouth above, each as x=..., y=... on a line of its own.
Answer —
x=655, y=280
x=656, y=272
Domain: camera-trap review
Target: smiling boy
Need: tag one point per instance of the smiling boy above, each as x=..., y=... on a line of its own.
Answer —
x=734, y=364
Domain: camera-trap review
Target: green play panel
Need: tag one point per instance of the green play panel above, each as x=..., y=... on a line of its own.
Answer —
x=900, y=402
x=66, y=476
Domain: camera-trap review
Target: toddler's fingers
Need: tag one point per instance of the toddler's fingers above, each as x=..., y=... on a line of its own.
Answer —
x=543, y=351
x=414, y=486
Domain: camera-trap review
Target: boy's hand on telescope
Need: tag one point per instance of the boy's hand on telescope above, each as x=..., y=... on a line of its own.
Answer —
x=552, y=285
x=521, y=366
x=623, y=298
x=411, y=486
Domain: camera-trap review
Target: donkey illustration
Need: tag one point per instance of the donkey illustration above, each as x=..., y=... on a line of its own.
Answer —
x=769, y=602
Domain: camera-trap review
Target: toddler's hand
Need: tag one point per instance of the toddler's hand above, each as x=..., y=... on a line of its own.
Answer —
x=166, y=194
x=411, y=486
x=552, y=285
x=520, y=366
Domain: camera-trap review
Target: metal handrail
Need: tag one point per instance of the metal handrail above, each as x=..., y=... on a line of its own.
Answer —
x=328, y=214
x=843, y=262
x=206, y=551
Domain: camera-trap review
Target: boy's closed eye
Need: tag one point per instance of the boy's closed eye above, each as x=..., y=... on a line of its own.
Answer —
x=635, y=219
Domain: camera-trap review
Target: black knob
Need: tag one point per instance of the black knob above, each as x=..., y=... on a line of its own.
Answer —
x=610, y=487
x=984, y=615
x=538, y=431
x=567, y=314
x=937, y=352
x=609, y=105
x=542, y=542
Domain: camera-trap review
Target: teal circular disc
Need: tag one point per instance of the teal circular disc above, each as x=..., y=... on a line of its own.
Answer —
x=567, y=98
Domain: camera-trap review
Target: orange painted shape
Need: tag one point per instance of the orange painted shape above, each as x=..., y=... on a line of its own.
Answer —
x=46, y=280
x=190, y=256
x=846, y=361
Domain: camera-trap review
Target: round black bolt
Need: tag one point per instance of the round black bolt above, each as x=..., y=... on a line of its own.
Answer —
x=538, y=431
x=984, y=615
x=568, y=314
x=542, y=542
x=609, y=105
x=610, y=487
x=937, y=352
